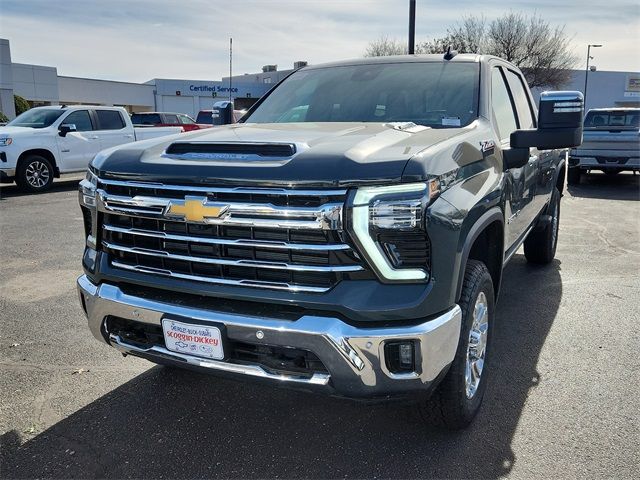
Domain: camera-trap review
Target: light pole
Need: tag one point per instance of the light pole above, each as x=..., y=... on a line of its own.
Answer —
x=586, y=72
x=412, y=26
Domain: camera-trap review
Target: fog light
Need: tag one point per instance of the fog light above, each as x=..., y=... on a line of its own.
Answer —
x=400, y=356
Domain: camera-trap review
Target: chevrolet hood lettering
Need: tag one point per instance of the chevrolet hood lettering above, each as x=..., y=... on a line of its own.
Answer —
x=195, y=209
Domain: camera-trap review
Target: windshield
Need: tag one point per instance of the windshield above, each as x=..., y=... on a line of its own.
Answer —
x=613, y=118
x=36, y=118
x=205, y=117
x=145, y=119
x=438, y=94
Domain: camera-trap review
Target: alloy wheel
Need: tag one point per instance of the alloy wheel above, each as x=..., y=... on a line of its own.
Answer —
x=477, y=345
x=37, y=174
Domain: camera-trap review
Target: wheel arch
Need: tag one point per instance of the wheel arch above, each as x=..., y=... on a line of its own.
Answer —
x=484, y=242
x=43, y=152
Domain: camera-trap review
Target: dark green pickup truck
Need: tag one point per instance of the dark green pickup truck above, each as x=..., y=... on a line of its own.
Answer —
x=348, y=236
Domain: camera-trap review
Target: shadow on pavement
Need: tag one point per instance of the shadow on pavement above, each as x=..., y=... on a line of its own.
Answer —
x=181, y=424
x=623, y=186
x=64, y=185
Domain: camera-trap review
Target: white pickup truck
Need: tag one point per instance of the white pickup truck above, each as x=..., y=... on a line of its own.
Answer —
x=44, y=142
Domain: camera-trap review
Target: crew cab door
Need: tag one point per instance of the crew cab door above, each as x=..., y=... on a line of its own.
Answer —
x=520, y=206
x=112, y=130
x=78, y=148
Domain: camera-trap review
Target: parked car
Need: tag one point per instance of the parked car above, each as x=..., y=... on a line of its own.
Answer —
x=206, y=116
x=611, y=143
x=357, y=250
x=44, y=142
x=164, y=119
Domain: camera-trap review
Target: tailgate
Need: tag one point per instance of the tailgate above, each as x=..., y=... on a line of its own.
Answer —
x=611, y=140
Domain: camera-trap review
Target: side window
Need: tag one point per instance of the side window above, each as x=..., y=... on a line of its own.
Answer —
x=186, y=120
x=170, y=118
x=501, y=106
x=110, y=120
x=80, y=119
x=521, y=99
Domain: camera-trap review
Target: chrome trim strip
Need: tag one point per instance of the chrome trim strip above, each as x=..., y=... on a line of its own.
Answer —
x=236, y=243
x=234, y=263
x=221, y=281
x=321, y=379
x=242, y=190
x=326, y=217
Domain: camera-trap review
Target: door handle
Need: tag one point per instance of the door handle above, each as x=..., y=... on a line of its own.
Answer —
x=128, y=136
x=94, y=138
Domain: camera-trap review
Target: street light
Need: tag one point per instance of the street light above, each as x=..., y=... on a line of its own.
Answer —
x=412, y=27
x=586, y=72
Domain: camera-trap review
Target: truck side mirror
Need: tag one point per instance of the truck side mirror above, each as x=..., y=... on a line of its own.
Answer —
x=560, y=119
x=222, y=113
x=66, y=128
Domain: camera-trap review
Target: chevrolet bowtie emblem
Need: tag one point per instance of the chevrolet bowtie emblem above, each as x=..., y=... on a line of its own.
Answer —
x=195, y=209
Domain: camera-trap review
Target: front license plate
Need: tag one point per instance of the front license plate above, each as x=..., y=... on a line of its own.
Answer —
x=190, y=339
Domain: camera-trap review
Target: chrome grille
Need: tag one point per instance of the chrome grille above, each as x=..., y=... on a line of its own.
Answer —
x=268, y=238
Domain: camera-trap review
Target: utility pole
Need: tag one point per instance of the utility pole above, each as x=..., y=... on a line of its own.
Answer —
x=412, y=26
x=230, y=65
x=586, y=73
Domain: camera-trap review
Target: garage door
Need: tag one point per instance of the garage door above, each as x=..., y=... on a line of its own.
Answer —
x=178, y=104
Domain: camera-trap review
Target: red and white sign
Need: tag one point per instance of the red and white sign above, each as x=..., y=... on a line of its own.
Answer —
x=197, y=340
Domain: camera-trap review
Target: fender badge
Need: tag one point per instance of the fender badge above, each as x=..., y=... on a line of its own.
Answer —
x=487, y=146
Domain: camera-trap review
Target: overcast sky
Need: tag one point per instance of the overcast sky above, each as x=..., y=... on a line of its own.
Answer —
x=136, y=40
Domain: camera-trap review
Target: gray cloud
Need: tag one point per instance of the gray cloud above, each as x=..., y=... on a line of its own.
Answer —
x=136, y=41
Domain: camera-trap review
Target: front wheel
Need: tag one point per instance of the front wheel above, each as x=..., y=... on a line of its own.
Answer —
x=34, y=174
x=457, y=399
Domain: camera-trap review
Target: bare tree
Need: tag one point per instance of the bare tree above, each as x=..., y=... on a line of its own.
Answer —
x=385, y=46
x=541, y=51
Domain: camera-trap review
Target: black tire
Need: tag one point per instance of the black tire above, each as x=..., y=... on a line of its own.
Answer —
x=540, y=246
x=34, y=174
x=573, y=176
x=454, y=403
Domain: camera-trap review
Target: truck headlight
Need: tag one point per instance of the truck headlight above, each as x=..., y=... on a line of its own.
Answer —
x=87, y=196
x=389, y=225
x=5, y=141
x=88, y=188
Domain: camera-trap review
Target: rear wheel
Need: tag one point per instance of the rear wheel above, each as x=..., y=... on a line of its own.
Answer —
x=457, y=399
x=34, y=174
x=573, y=176
x=540, y=246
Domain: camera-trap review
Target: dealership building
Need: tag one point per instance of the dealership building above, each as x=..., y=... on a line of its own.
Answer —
x=42, y=85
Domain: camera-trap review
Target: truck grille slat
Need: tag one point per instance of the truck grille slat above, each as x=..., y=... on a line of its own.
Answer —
x=261, y=238
x=272, y=244
x=235, y=263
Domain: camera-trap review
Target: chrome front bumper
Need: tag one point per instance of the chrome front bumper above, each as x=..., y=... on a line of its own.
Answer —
x=353, y=357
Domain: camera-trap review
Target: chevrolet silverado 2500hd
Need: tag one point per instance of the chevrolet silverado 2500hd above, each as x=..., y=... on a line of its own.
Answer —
x=44, y=142
x=357, y=250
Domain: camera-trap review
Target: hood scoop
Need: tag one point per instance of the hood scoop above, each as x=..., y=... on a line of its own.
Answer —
x=230, y=151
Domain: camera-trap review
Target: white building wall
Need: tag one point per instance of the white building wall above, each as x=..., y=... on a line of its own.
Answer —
x=36, y=83
x=136, y=96
x=6, y=80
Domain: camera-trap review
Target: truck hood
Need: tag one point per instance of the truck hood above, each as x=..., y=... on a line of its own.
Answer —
x=19, y=131
x=326, y=154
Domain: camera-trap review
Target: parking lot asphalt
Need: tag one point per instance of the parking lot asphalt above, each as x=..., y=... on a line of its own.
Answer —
x=563, y=399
